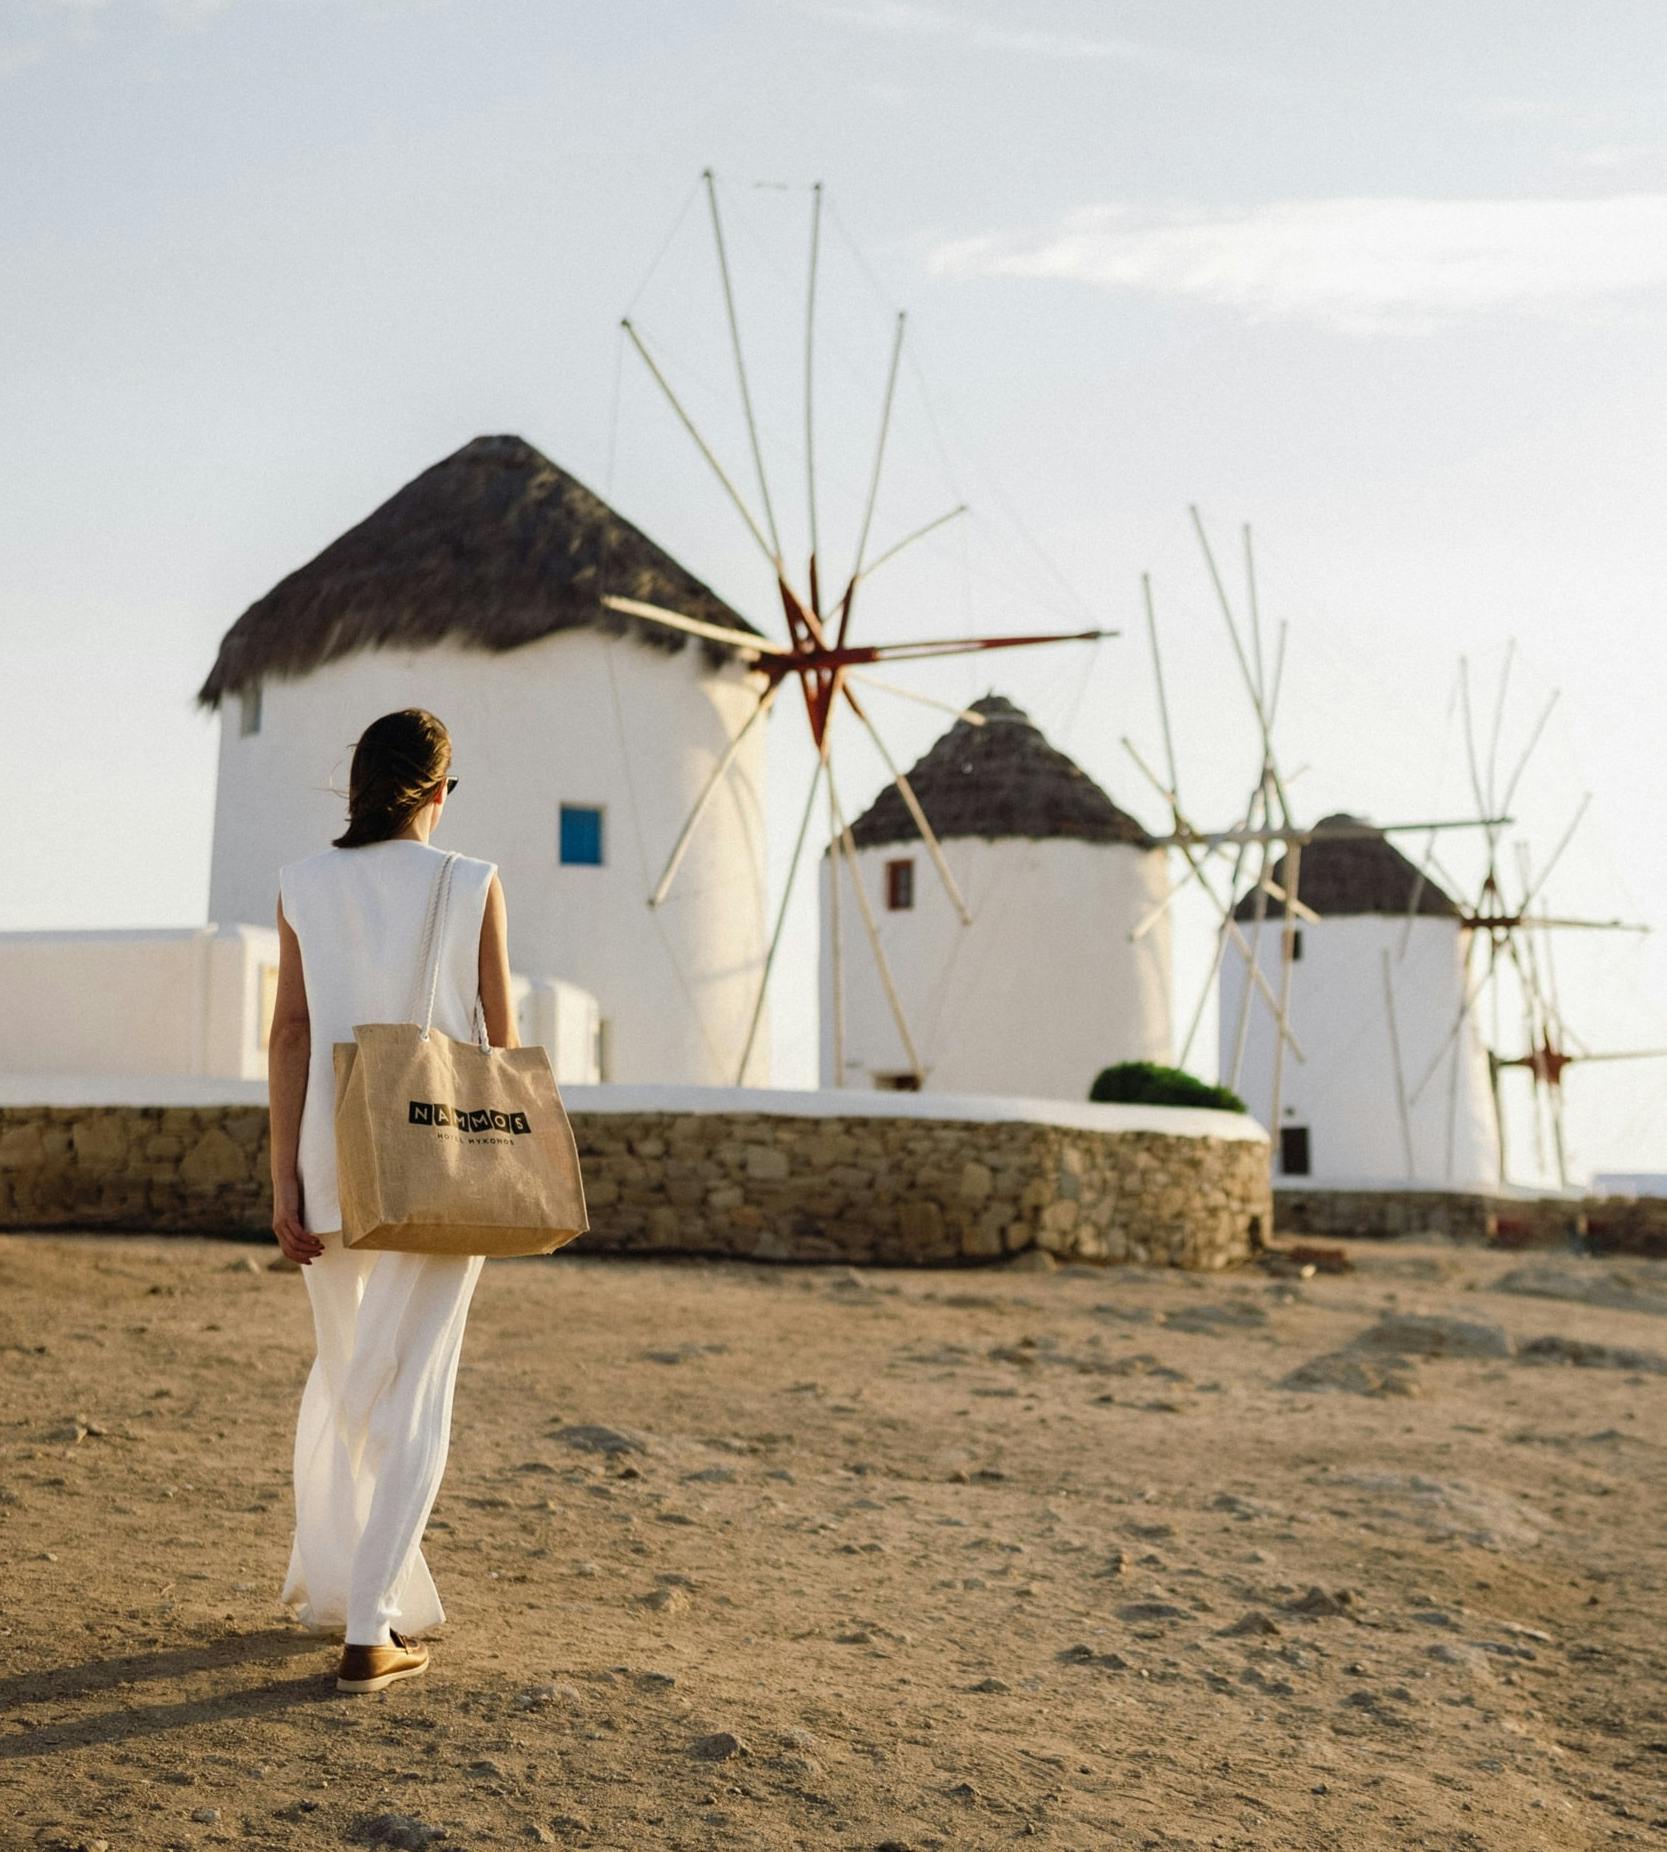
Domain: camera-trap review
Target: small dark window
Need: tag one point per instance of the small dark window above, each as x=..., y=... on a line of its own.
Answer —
x=1293, y=1150
x=1296, y=945
x=897, y=1083
x=248, y=709
x=900, y=884
x=581, y=835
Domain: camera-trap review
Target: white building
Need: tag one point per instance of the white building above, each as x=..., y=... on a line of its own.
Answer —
x=196, y=1002
x=186, y=1000
x=474, y=592
x=1044, y=988
x=1340, y=1122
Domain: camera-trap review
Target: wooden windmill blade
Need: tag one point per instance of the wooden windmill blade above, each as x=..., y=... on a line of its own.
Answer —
x=1537, y=1027
x=848, y=849
x=1223, y=933
x=1397, y=1071
x=1224, y=908
x=745, y=642
x=1470, y=994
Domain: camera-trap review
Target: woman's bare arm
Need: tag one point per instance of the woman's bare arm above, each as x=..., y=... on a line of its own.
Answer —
x=288, y=1050
x=495, y=998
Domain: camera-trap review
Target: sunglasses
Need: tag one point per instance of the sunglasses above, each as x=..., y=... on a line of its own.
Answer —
x=451, y=786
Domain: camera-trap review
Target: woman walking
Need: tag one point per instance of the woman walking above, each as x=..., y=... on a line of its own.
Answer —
x=375, y=1418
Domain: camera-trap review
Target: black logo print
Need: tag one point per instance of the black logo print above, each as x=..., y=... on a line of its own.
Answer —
x=477, y=1119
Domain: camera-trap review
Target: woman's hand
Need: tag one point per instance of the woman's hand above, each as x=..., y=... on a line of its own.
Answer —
x=296, y=1243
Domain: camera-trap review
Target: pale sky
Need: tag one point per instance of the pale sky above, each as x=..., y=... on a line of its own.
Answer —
x=1386, y=282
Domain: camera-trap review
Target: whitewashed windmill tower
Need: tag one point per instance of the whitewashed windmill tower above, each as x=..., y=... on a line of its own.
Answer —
x=1377, y=982
x=581, y=741
x=1044, y=987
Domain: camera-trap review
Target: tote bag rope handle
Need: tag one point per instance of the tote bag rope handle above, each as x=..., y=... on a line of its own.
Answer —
x=428, y=957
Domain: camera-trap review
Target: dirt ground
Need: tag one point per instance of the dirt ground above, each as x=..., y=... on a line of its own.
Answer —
x=743, y=1556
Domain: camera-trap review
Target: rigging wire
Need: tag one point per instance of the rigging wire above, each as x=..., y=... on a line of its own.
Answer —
x=997, y=494
x=665, y=246
x=697, y=384
x=1074, y=606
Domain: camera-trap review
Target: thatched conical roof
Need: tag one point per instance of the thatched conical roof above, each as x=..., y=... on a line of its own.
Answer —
x=493, y=545
x=999, y=779
x=1354, y=875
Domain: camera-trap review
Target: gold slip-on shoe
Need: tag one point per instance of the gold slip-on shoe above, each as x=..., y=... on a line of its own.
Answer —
x=369, y=1668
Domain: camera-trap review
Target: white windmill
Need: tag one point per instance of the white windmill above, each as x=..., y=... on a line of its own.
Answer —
x=1509, y=966
x=1334, y=895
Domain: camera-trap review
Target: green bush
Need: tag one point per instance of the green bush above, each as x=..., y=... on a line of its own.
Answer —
x=1146, y=1083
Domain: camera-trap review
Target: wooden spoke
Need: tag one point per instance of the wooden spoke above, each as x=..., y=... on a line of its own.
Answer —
x=697, y=627
x=874, y=480
x=1289, y=833
x=908, y=540
x=848, y=847
x=709, y=791
x=1255, y=619
x=1157, y=678
x=1528, y=750
x=1210, y=981
x=836, y=942
x=964, y=646
x=1395, y=1061
x=906, y=790
x=1567, y=837
x=1259, y=914
x=705, y=449
x=1228, y=618
x=810, y=401
x=1499, y=720
x=967, y=714
x=741, y=369
x=781, y=921
x=1467, y=1002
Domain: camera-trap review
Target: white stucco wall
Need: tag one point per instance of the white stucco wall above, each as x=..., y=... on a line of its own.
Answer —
x=532, y=728
x=175, y=1001
x=1038, y=994
x=1345, y=1090
x=194, y=1002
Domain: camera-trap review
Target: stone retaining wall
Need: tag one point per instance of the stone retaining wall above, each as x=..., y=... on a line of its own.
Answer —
x=1604, y=1225
x=1627, y=1225
x=765, y=1185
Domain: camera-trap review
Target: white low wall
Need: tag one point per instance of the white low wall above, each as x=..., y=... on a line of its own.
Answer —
x=153, y=1006
x=160, y=1001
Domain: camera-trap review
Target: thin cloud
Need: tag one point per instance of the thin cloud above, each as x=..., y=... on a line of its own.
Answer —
x=910, y=19
x=19, y=57
x=1609, y=156
x=83, y=23
x=1355, y=265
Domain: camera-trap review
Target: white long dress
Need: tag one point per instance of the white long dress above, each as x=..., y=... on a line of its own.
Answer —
x=374, y=1426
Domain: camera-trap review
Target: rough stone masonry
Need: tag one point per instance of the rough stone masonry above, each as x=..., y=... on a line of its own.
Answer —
x=759, y=1185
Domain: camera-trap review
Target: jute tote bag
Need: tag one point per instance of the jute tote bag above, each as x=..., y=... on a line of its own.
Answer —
x=449, y=1147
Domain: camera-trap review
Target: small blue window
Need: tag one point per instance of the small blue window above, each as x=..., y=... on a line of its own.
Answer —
x=581, y=835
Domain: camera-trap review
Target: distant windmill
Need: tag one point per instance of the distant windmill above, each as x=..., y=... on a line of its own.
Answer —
x=1267, y=843
x=817, y=651
x=1515, y=935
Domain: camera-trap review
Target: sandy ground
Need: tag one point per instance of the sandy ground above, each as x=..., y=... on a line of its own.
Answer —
x=923, y=1559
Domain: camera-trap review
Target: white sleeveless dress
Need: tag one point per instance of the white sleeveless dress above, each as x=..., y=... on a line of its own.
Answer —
x=358, y=914
x=374, y=1426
